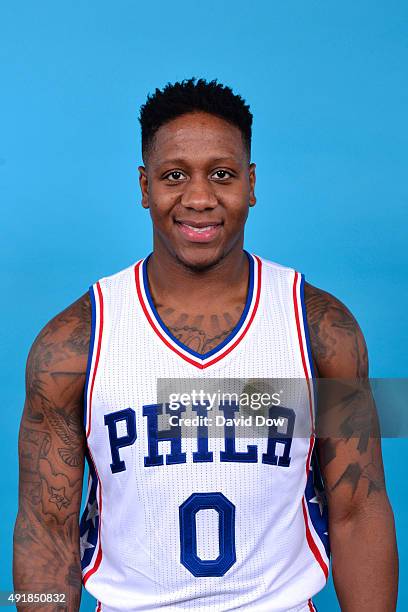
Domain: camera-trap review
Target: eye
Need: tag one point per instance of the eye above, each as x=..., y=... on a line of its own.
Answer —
x=174, y=176
x=221, y=175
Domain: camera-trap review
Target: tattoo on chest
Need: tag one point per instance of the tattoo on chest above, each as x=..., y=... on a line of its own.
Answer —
x=200, y=332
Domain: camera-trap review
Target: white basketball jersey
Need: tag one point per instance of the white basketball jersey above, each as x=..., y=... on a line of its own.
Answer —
x=178, y=518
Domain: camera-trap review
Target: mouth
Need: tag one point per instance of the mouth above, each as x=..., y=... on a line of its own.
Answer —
x=203, y=231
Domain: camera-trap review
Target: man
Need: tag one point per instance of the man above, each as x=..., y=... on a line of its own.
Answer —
x=182, y=523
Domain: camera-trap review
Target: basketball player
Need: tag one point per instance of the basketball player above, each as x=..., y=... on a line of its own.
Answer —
x=196, y=523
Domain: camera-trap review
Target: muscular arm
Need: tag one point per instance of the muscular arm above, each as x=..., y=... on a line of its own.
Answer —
x=51, y=454
x=361, y=522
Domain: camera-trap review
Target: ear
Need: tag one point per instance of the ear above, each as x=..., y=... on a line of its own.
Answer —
x=252, y=181
x=144, y=186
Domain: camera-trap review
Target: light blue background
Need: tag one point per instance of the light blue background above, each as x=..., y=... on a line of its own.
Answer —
x=327, y=83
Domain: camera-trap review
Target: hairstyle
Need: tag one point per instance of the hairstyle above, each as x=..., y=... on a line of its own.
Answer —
x=189, y=96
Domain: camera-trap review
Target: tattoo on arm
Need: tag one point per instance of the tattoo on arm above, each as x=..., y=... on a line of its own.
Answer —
x=349, y=446
x=51, y=450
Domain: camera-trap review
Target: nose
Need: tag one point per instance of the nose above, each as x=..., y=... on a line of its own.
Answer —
x=198, y=194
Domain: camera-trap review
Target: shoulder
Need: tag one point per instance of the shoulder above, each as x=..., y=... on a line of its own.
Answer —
x=71, y=327
x=274, y=266
x=58, y=357
x=123, y=275
x=337, y=342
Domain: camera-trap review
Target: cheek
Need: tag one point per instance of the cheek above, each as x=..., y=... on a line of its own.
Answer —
x=238, y=205
x=240, y=193
x=161, y=202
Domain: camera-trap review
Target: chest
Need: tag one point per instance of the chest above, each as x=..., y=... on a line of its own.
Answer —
x=201, y=329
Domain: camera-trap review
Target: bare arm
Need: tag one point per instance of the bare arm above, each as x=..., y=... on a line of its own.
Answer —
x=361, y=522
x=51, y=454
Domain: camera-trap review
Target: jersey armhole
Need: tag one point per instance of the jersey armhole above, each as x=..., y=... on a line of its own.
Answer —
x=96, y=299
x=305, y=348
x=306, y=326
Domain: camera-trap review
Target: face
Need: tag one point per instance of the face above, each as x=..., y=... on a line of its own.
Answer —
x=198, y=184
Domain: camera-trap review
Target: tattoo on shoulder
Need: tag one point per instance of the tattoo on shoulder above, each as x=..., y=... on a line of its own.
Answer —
x=334, y=330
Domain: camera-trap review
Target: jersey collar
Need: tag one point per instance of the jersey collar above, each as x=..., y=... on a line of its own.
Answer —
x=228, y=344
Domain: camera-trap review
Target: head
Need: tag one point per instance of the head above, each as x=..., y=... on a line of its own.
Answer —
x=197, y=180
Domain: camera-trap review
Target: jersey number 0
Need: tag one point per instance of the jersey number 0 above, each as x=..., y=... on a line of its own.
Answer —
x=226, y=534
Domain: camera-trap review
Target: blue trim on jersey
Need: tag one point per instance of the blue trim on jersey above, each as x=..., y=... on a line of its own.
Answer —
x=307, y=337
x=90, y=352
x=315, y=488
x=233, y=333
x=90, y=527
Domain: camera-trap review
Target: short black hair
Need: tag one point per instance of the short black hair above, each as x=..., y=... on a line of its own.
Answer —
x=189, y=96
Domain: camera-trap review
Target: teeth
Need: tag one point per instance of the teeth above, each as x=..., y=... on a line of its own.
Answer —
x=199, y=230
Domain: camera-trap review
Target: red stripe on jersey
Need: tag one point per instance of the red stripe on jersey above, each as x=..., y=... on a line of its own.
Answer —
x=312, y=543
x=98, y=352
x=257, y=297
x=306, y=372
x=149, y=318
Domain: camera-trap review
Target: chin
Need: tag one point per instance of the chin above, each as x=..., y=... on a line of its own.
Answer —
x=199, y=259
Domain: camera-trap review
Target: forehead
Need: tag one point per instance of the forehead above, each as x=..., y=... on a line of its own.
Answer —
x=197, y=134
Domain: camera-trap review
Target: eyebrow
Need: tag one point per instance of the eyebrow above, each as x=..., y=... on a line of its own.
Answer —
x=180, y=161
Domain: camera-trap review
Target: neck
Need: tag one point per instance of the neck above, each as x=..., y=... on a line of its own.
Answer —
x=172, y=281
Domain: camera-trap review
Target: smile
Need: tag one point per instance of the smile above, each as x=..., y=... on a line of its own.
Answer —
x=198, y=232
